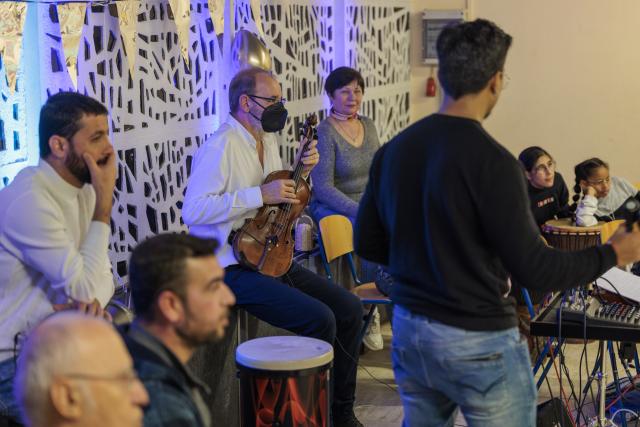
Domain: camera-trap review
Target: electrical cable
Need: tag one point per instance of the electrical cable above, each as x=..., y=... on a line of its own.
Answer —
x=622, y=393
x=545, y=302
x=633, y=304
x=586, y=366
x=539, y=352
x=562, y=393
x=364, y=368
x=590, y=377
x=628, y=301
x=623, y=410
x=582, y=355
x=570, y=381
x=564, y=295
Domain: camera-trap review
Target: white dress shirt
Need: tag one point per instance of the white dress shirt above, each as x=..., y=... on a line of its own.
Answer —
x=224, y=186
x=50, y=250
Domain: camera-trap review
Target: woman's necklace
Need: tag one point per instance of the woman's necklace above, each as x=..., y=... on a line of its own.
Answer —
x=345, y=130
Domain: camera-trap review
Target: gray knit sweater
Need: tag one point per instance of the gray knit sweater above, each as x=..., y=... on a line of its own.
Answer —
x=341, y=176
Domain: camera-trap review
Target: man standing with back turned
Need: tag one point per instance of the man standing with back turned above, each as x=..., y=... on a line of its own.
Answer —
x=452, y=224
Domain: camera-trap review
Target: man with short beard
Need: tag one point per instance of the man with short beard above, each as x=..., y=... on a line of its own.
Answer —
x=54, y=227
x=181, y=302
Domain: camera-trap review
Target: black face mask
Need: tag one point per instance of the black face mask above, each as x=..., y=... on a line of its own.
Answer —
x=273, y=118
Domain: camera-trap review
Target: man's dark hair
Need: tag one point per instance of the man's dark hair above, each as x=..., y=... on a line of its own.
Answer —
x=244, y=82
x=469, y=55
x=158, y=264
x=340, y=77
x=61, y=115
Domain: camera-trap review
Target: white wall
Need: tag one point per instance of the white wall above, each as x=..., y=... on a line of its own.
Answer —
x=574, y=68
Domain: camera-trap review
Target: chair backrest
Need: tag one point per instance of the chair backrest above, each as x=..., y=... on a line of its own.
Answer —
x=608, y=228
x=337, y=236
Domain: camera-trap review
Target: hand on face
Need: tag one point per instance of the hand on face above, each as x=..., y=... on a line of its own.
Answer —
x=589, y=191
x=103, y=179
x=103, y=171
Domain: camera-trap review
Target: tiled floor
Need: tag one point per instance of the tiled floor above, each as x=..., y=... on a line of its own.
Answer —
x=378, y=403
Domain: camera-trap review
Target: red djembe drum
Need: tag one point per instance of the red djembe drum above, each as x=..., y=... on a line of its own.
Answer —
x=284, y=381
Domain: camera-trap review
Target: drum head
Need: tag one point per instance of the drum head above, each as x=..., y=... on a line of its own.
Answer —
x=284, y=353
x=566, y=225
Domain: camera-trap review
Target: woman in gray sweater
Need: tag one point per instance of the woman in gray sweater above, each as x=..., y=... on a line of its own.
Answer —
x=347, y=142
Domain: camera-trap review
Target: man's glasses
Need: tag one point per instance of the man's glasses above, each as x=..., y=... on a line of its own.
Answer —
x=271, y=99
x=129, y=378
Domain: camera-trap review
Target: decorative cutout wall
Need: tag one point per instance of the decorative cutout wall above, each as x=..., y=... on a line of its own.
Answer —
x=163, y=79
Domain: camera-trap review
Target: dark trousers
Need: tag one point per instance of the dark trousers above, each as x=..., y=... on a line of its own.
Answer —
x=309, y=305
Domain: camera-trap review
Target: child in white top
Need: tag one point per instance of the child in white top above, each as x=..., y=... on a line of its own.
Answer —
x=603, y=195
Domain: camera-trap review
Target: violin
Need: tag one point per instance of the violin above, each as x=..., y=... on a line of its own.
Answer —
x=265, y=243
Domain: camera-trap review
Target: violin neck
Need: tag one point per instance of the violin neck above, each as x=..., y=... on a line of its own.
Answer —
x=297, y=170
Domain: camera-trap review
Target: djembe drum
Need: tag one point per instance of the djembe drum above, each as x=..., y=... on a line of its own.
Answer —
x=564, y=235
x=284, y=381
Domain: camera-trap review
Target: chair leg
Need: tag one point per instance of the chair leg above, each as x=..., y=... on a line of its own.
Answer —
x=529, y=304
x=325, y=263
x=367, y=321
x=354, y=272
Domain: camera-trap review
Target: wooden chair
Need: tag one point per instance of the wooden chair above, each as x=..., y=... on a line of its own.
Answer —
x=608, y=228
x=337, y=241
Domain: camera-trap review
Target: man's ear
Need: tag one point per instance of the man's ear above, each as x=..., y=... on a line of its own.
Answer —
x=493, y=83
x=66, y=399
x=59, y=146
x=244, y=102
x=170, y=306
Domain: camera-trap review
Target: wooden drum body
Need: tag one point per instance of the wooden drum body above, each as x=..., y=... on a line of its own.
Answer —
x=284, y=381
x=562, y=234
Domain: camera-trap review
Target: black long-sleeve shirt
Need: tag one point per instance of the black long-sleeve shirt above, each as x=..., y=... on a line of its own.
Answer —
x=446, y=208
x=548, y=203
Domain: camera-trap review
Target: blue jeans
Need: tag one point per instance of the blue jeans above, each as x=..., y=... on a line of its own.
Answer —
x=440, y=368
x=8, y=406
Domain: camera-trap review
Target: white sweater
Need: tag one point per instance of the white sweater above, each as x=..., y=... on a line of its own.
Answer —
x=50, y=250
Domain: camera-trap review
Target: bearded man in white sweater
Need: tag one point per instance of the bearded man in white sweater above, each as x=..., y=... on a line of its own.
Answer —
x=54, y=227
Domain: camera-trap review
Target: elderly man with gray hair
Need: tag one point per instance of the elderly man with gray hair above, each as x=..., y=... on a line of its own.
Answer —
x=74, y=370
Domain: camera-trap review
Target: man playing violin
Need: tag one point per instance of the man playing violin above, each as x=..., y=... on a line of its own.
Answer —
x=226, y=188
